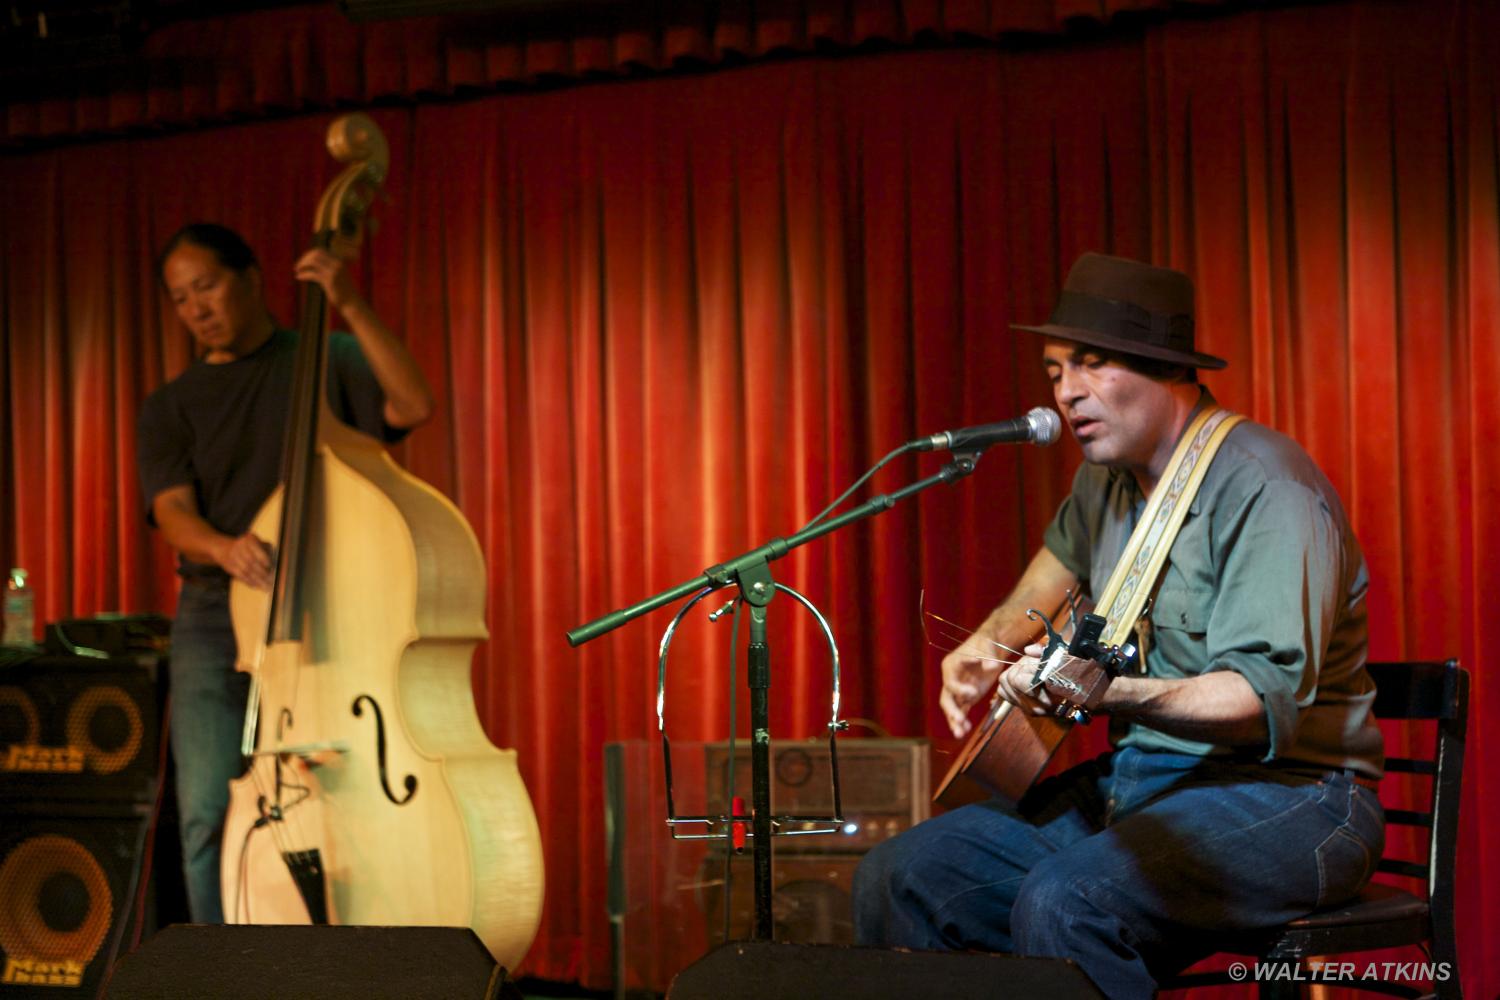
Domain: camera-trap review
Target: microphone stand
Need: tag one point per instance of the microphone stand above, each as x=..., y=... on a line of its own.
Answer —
x=751, y=573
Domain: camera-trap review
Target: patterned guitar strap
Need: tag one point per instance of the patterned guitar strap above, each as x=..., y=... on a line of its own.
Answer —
x=1123, y=600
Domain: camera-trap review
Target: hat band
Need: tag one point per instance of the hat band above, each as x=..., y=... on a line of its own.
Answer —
x=1124, y=320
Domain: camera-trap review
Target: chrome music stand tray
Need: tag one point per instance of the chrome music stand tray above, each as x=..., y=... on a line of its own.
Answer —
x=732, y=826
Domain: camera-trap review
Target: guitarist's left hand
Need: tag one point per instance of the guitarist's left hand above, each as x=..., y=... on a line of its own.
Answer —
x=1015, y=684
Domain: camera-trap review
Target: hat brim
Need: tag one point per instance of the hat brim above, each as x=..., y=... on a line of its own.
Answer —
x=1189, y=359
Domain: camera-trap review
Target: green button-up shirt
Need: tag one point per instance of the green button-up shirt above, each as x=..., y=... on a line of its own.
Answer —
x=1265, y=578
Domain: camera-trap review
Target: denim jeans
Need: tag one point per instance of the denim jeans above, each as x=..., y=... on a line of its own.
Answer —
x=208, y=716
x=1127, y=864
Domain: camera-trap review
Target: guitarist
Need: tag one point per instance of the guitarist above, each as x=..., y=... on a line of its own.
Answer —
x=1239, y=791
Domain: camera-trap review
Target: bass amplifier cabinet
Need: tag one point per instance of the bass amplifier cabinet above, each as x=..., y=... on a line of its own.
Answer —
x=79, y=729
x=81, y=762
x=667, y=896
x=68, y=887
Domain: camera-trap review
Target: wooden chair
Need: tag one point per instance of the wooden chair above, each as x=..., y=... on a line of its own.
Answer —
x=1383, y=916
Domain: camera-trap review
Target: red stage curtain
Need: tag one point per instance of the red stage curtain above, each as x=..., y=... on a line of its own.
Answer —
x=668, y=319
x=272, y=62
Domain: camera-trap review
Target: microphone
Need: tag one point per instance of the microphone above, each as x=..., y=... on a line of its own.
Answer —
x=1039, y=426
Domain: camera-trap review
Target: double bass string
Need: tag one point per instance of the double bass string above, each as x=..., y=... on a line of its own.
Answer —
x=280, y=818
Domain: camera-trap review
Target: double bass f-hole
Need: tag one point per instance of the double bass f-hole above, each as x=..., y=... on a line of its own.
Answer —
x=410, y=783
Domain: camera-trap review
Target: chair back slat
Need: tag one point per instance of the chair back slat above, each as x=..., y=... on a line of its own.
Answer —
x=1422, y=690
x=1408, y=817
x=1395, y=866
x=1406, y=765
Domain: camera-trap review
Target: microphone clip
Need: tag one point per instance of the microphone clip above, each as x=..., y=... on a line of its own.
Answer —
x=961, y=464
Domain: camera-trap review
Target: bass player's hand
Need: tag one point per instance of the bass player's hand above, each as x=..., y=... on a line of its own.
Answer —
x=247, y=559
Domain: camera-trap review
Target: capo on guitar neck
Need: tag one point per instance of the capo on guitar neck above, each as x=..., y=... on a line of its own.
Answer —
x=1085, y=642
x=1054, y=641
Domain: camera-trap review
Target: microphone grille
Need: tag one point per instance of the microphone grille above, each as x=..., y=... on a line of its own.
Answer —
x=1046, y=425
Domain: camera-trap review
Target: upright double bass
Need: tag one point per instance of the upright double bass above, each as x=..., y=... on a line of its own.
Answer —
x=373, y=795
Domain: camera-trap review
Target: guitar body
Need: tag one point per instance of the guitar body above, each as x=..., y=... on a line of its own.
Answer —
x=1008, y=751
x=1005, y=755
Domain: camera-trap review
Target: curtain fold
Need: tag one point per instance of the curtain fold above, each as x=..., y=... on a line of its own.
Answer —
x=670, y=318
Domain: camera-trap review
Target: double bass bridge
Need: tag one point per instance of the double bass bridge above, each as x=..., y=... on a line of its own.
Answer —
x=304, y=750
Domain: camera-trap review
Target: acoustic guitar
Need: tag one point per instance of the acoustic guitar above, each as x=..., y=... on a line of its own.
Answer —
x=1010, y=748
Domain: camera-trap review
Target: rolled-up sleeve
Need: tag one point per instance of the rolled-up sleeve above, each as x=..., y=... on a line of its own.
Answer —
x=1281, y=562
x=163, y=451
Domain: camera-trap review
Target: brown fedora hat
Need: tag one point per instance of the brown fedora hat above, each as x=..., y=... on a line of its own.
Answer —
x=1126, y=306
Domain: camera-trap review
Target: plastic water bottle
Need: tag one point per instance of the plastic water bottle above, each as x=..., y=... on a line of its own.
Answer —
x=20, y=610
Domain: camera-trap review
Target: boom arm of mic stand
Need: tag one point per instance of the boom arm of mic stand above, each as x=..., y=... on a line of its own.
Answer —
x=726, y=573
x=752, y=574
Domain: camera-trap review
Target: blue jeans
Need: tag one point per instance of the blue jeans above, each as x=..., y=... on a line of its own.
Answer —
x=208, y=715
x=1127, y=864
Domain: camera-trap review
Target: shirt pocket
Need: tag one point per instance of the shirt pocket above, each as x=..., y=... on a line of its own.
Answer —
x=1182, y=609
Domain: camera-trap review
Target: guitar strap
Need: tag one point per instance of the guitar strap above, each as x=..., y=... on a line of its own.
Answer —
x=1134, y=578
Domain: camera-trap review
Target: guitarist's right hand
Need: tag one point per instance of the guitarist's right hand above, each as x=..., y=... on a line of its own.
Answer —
x=967, y=678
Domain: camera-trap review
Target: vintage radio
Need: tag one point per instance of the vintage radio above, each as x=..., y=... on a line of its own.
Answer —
x=883, y=789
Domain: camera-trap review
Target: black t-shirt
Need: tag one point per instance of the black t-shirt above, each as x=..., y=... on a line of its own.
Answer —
x=219, y=428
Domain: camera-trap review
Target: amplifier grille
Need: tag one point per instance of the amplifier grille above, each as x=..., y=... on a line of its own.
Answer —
x=79, y=729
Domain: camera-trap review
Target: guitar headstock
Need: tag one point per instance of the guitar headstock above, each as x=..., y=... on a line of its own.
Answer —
x=1076, y=672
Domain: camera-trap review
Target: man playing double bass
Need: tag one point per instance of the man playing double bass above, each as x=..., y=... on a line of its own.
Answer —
x=209, y=448
x=1238, y=793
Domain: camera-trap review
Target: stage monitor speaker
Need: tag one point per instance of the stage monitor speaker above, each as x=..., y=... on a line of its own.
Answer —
x=765, y=970
x=79, y=729
x=262, y=962
x=68, y=886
